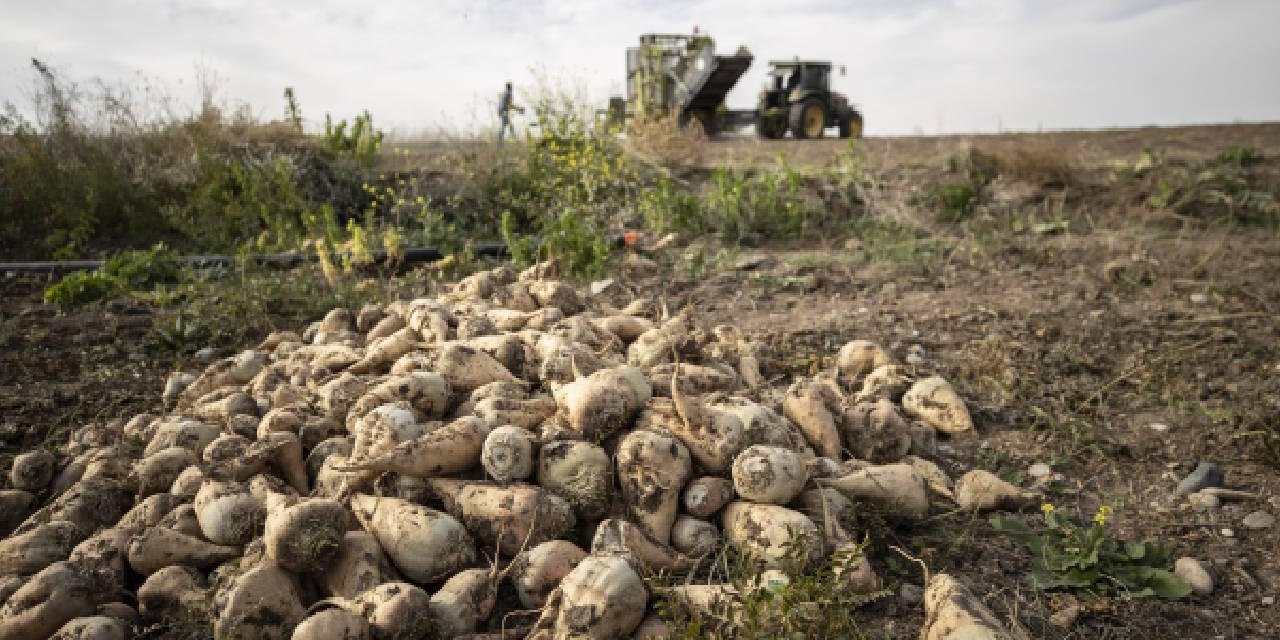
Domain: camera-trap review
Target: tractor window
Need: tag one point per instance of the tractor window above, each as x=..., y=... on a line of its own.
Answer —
x=815, y=78
x=793, y=80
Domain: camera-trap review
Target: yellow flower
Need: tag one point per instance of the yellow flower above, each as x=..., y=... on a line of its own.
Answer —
x=1046, y=508
x=1103, y=513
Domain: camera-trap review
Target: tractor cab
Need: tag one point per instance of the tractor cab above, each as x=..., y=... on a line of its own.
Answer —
x=798, y=97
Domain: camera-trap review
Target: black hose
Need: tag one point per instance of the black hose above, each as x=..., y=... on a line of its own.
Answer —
x=285, y=260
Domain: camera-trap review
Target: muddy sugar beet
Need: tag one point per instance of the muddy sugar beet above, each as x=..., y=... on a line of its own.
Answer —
x=384, y=472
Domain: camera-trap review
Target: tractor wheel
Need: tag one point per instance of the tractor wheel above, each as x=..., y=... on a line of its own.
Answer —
x=851, y=124
x=808, y=118
x=770, y=128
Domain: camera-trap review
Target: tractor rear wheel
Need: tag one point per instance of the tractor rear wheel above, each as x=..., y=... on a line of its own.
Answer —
x=770, y=128
x=808, y=118
x=851, y=124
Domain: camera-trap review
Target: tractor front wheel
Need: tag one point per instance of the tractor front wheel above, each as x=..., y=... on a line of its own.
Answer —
x=808, y=118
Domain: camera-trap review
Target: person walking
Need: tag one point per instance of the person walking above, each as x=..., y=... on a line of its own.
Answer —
x=505, y=107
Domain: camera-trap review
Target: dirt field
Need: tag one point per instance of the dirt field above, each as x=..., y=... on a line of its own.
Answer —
x=1071, y=349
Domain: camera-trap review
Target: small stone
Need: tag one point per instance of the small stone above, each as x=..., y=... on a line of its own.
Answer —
x=748, y=263
x=1227, y=532
x=207, y=354
x=1258, y=520
x=1207, y=474
x=1039, y=470
x=1158, y=427
x=1268, y=600
x=1203, y=501
x=639, y=265
x=601, y=287
x=1066, y=616
x=910, y=594
x=852, y=244
x=915, y=355
x=1194, y=574
x=1199, y=298
x=812, y=282
x=1229, y=494
x=666, y=242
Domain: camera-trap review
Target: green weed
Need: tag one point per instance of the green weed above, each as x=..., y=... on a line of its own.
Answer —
x=1240, y=155
x=83, y=286
x=953, y=201
x=1066, y=555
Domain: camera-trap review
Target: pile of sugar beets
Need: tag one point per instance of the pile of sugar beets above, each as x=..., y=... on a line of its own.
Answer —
x=385, y=472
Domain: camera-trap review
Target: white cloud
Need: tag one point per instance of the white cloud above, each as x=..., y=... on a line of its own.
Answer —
x=962, y=65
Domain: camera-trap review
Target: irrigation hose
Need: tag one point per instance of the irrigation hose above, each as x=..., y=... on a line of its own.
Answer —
x=413, y=255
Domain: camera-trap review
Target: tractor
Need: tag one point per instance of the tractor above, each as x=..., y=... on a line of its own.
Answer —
x=798, y=98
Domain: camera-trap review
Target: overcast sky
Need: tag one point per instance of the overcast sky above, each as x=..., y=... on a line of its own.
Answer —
x=915, y=66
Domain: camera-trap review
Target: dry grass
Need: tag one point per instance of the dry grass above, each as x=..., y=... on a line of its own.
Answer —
x=1039, y=163
x=665, y=143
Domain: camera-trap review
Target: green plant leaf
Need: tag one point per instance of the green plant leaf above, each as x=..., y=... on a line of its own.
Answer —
x=1164, y=583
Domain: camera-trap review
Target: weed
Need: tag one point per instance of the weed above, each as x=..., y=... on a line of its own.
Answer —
x=83, y=286
x=746, y=207
x=667, y=207
x=1239, y=155
x=143, y=269
x=361, y=142
x=91, y=174
x=1066, y=555
x=953, y=201
x=813, y=604
x=569, y=238
x=887, y=241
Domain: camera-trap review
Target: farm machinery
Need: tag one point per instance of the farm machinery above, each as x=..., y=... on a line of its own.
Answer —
x=681, y=75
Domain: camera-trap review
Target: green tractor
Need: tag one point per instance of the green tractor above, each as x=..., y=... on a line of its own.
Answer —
x=799, y=99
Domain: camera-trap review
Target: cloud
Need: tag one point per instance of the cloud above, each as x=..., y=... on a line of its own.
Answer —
x=913, y=65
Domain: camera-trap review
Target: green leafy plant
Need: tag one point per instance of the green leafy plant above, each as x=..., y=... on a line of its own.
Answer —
x=362, y=141
x=144, y=268
x=954, y=201
x=1239, y=155
x=1067, y=555
x=83, y=286
x=580, y=247
x=185, y=333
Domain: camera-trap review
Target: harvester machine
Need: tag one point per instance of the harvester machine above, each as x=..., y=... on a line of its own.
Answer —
x=681, y=74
